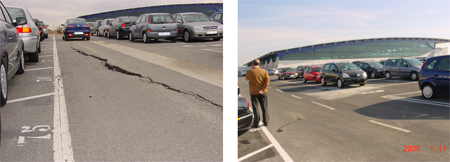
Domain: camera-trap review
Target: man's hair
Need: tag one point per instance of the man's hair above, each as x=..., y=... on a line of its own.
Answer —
x=255, y=62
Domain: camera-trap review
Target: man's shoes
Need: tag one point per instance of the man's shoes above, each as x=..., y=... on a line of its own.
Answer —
x=265, y=124
x=253, y=128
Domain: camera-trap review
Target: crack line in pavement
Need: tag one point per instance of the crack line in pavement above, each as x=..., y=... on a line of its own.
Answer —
x=151, y=81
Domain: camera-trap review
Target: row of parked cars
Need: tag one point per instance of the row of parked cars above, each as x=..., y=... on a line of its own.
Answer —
x=432, y=73
x=189, y=26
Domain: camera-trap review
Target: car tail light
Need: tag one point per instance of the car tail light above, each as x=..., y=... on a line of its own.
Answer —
x=248, y=105
x=149, y=19
x=17, y=31
x=70, y=26
x=24, y=29
x=148, y=31
x=423, y=64
x=70, y=35
x=87, y=34
x=45, y=27
x=123, y=25
x=85, y=26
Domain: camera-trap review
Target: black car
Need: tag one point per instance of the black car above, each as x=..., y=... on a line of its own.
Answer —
x=372, y=68
x=245, y=116
x=356, y=62
x=39, y=24
x=343, y=73
x=217, y=17
x=301, y=70
x=120, y=26
x=76, y=28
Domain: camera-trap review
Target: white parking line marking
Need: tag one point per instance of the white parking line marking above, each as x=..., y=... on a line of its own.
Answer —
x=46, y=56
x=62, y=142
x=435, y=103
x=277, y=145
x=406, y=93
x=370, y=92
x=390, y=126
x=296, y=96
x=31, y=97
x=323, y=105
x=213, y=50
x=255, y=152
x=217, y=45
x=279, y=90
x=39, y=69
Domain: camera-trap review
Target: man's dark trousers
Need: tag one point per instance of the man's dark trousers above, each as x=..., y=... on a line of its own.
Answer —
x=262, y=99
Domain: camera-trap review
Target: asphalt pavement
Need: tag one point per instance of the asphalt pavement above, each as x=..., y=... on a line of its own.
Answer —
x=116, y=100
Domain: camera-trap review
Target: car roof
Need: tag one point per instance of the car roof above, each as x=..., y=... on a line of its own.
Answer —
x=185, y=13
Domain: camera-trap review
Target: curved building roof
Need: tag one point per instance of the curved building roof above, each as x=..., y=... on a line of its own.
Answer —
x=358, y=48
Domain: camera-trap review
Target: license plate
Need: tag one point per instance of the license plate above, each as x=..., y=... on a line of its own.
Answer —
x=164, y=33
x=211, y=32
x=78, y=33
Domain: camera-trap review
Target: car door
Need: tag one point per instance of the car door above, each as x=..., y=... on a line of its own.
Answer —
x=134, y=28
x=140, y=27
x=112, y=28
x=333, y=73
x=308, y=74
x=442, y=75
x=10, y=39
x=393, y=67
x=179, y=21
x=325, y=71
x=403, y=68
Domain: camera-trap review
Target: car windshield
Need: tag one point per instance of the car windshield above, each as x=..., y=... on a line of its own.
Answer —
x=196, y=18
x=375, y=64
x=317, y=69
x=288, y=70
x=40, y=23
x=77, y=21
x=414, y=62
x=160, y=19
x=346, y=66
x=16, y=12
x=127, y=19
x=109, y=21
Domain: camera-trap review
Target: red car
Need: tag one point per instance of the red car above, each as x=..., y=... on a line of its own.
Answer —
x=312, y=73
x=287, y=73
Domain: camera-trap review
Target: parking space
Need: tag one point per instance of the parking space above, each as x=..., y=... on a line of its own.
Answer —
x=363, y=123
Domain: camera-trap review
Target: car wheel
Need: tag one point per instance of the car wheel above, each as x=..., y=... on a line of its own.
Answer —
x=315, y=81
x=186, y=36
x=279, y=78
x=322, y=80
x=118, y=35
x=304, y=80
x=4, y=84
x=173, y=40
x=362, y=84
x=414, y=76
x=340, y=83
x=34, y=57
x=372, y=75
x=388, y=75
x=88, y=38
x=130, y=37
x=96, y=33
x=65, y=38
x=46, y=35
x=428, y=91
x=22, y=64
x=145, y=38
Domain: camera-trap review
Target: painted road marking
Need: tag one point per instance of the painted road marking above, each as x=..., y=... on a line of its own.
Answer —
x=279, y=90
x=46, y=56
x=370, y=92
x=323, y=105
x=296, y=96
x=435, y=103
x=44, y=79
x=31, y=97
x=277, y=145
x=39, y=69
x=62, y=142
x=213, y=50
x=390, y=126
x=255, y=152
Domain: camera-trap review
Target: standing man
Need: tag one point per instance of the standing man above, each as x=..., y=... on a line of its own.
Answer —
x=258, y=83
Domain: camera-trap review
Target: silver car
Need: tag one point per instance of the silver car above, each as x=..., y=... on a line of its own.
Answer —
x=154, y=26
x=28, y=32
x=194, y=25
x=403, y=67
x=103, y=27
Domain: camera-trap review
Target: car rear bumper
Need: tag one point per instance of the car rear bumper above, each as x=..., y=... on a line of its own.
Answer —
x=71, y=34
x=245, y=121
x=160, y=34
x=29, y=43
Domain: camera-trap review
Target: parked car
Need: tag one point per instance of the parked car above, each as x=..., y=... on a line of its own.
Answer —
x=342, y=73
x=312, y=73
x=194, y=25
x=271, y=71
x=154, y=26
x=29, y=32
x=372, y=68
x=76, y=28
x=403, y=67
x=94, y=29
x=300, y=70
x=287, y=73
x=120, y=26
x=103, y=27
x=382, y=62
x=12, y=56
x=245, y=115
x=41, y=29
x=356, y=62
x=276, y=72
x=42, y=26
x=422, y=59
x=435, y=76
x=244, y=72
x=217, y=17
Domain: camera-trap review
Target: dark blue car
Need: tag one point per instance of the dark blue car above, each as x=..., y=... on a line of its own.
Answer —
x=76, y=28
x=434, y=76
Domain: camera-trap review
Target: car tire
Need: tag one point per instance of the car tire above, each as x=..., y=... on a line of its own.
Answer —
x=428, y=91
x=65, y=38
x=34, y=57
x=22, y=64
x=362, y=84
x=304, y=80
x=145, y=38
x=340, y=83
x=173, y=40
x=186, y=36
x=130, y=37
x=3, y=84
x=372, y=75
x=388, y=75
x=414, y=76
x=39, y=47
x=322, y=80
x=315, y=81
x=279, y=78
x=46, y=35
x=88, y=38
x=118, y=35
x=96, y=33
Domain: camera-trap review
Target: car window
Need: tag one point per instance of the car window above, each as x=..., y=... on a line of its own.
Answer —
x=195, y=18
x=444, y=65
x=15, y=13
x=143, y=19
x=217, y=17
x=2, y=16
x=414, y=62
x=317, y=69
x=77, y=21
x=346, y=66
x=365, y=65
x=159, y=19
x=308, y=70
x=126, y=19
x=178, y=18
x=327, y=67
x=402, y=63
x=430, y=66
x=393, y=62
x=375, y=64
x=333, y=67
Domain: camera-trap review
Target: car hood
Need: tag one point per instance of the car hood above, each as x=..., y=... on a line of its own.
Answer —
x=291, y=72
x=354, y=73
x=204, y=23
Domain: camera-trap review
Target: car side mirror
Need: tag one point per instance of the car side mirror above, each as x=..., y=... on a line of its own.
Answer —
x=21, y=21
x=134, y=23
x=178, y=21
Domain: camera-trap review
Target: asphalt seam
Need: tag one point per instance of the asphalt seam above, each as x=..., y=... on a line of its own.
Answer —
x=151, y=81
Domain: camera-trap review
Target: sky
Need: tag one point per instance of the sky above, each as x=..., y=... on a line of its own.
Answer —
x=271, y=25
x=55, y=12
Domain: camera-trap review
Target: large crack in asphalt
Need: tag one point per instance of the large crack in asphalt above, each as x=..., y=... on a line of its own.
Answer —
x=148, y=79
